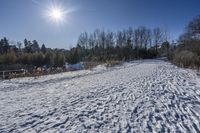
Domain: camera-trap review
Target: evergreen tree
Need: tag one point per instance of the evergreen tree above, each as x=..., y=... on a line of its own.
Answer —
x=43, y=49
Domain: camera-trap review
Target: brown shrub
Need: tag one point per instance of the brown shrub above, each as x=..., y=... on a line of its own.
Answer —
x=186, y=58
x=91, y=64
x=111, y=63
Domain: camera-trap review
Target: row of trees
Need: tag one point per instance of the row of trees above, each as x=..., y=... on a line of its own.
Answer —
x=127, y=44
x=99, y=45
x=31, y=54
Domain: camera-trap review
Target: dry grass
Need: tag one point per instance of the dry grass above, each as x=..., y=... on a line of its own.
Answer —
x=91, y=64
x=111, y=63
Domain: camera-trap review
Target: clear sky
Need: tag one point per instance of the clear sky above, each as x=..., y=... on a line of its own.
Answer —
x=21, y=19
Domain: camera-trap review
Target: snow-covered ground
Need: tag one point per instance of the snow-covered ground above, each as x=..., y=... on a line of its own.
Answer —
x=142, y=96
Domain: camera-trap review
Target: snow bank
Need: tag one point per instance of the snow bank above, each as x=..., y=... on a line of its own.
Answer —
x=77, y=66
x=100, y=68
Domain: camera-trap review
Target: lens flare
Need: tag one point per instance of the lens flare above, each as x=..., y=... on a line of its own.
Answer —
x=56, y=14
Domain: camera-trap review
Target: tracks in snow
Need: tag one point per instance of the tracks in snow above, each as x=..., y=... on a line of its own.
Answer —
x=148, y=97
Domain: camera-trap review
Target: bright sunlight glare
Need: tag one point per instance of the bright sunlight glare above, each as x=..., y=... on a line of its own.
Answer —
x=56, y=14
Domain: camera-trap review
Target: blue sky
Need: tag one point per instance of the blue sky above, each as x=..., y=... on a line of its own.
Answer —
x=21, y=19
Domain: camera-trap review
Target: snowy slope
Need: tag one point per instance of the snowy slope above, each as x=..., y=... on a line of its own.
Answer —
x=142, y=96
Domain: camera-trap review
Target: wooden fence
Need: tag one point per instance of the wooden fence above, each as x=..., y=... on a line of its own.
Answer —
x=8, y=73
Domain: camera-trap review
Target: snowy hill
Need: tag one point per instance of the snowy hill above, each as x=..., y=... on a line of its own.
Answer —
x=142, y=96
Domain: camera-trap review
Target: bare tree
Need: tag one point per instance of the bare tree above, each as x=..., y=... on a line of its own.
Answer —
x=109, y=40
x=130, y=37
x=157, y=37
x=193, y=28
x=147, y=38
x=83, y=40
x=119, y=39
x=19, y=45
x=91, y=41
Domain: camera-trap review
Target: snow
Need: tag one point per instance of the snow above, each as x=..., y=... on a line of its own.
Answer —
x=100, y=68
x=140, y=96
x=77, y=66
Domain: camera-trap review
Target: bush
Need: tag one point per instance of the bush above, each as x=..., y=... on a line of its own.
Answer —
x=186, y=58
x=111, y=63
x=90, y=64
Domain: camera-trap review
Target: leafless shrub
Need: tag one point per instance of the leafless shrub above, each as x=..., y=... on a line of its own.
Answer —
x=91, y=64
x=186, y=59
x=111, y=63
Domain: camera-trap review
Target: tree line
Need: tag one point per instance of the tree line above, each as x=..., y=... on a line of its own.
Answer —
x=30, y=54
x=100, y=46
x=126, y=44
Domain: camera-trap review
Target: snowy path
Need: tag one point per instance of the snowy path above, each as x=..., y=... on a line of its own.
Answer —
x=151, y=96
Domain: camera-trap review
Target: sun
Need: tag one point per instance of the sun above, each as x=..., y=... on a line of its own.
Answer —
x=56, y=14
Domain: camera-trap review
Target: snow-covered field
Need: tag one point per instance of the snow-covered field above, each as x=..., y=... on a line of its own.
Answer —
x=142, y=96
